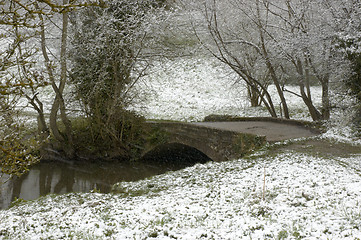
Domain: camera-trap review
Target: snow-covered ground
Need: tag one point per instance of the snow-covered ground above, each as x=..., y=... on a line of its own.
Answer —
x=190, y=89
x=305, y=195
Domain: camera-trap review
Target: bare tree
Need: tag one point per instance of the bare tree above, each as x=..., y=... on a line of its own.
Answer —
x=23, y=23
x=275, y=42
x=237, y=37
x=59, y=103
x=310, y=51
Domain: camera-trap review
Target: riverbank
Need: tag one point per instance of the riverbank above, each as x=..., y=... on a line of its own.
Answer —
x=284, y=194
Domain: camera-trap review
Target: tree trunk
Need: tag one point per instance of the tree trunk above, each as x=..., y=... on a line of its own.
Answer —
x=68, y=129
x=325, y=99
x=269, y=65
x=54, y=109
x=255, y=85
x=306, y=97
x=254, y=97
x=67, y=144
x=275, y=81
x=315, y=114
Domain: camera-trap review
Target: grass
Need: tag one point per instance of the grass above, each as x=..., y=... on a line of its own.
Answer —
x=353, y=214
x=17, y=202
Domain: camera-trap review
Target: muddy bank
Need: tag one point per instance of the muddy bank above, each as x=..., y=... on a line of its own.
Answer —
x=320, y=147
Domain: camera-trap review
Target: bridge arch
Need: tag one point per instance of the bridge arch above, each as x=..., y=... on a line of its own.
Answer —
x=177, y=154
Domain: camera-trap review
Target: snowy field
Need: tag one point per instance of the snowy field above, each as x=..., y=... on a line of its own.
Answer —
x=280, y=195
x=191, y=89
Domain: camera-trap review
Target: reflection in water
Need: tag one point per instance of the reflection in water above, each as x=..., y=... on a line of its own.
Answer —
x=57, y=177
x=60, y=177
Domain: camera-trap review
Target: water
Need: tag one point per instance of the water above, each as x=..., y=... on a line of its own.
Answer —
x=63, y=177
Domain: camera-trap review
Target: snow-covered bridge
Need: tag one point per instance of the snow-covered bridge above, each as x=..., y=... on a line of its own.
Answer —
x=225, y=140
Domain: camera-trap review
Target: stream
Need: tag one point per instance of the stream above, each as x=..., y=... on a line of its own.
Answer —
x=61, y=177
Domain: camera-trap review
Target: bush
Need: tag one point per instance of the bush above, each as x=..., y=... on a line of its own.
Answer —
x=122, y=140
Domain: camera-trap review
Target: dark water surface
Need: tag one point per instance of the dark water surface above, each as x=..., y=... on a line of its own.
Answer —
x=59, y=177
x=63, y=177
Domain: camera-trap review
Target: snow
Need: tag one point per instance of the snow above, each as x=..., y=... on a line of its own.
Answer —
x=209, y=201
x=190, y=89
x=306, y=195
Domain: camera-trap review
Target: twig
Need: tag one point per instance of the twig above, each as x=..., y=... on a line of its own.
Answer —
x=264, y=184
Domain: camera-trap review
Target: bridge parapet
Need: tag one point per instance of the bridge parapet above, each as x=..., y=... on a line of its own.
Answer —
x=217, y=144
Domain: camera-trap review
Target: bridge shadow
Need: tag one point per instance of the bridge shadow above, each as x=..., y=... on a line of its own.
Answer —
x=175, y=155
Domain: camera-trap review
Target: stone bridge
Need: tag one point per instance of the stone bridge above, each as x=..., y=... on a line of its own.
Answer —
x=225, y=140
x=217, y=144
